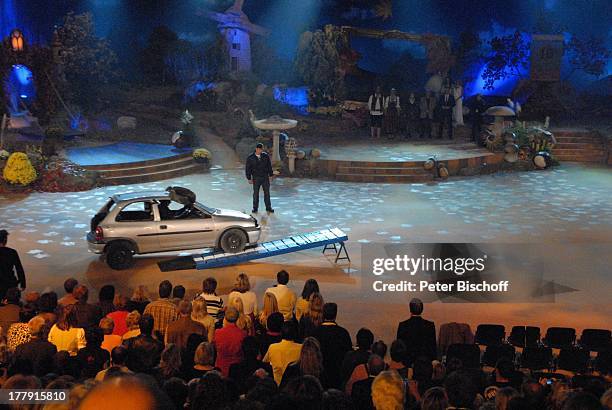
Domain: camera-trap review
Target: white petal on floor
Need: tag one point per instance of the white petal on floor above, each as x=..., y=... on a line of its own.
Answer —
x=68, y=243
x=80, y=225
x=44, y=241
x=34, y=251
x=41, y=255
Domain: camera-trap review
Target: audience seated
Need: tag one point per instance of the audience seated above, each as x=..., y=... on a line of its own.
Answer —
x=228, y=342
x=301, y=306
x=111, y=340
x=214, y=303
x=87, y=315
x=139, y=300
x=285, y=297
x=46, y=349
x=68, y=298
x=119, y=316
x=106, y=297
x=287, y=351
x=10, y=309
x=335, y=342
x=179, y=330
x=163, y=310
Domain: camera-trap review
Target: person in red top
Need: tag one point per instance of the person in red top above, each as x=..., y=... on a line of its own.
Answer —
x=228, y=342
x=119, y=316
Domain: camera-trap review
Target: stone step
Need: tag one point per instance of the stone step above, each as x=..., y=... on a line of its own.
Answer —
x=155, y=175
x=383, y=170
x=563, y=151
x=136, y=170
x=579, y=145
x=580, y=158
x=380, y=164
x=384, y=178
x=586, y=139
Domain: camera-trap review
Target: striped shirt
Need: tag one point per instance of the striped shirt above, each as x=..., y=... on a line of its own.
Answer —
x=164, y=312
x=214, y=305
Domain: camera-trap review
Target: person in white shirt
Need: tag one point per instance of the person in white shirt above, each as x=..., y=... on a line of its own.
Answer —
x=376, y=107
x=242, y=290
x=284, y=296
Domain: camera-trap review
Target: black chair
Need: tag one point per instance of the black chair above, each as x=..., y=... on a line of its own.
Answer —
x=595, y=340
x=469, y=354
x=524, y=336
x=574, y=359
x=495, y=352
x=603, y=362
x=536, y=358
x=560, y=337
x=490, y=335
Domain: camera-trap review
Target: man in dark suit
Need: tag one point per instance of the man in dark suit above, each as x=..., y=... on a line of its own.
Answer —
x=10, y=265
x=446, y=105
x=418, y=334
x=178, y=331
x=258, y=172
x=478, y=108
x=335, y=342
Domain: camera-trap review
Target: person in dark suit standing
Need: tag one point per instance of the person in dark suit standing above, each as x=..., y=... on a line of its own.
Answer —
x=10, y=265
x=418, y=334
x=446, y=104
x=259, y=172
x=478, y=107
x=335, y=341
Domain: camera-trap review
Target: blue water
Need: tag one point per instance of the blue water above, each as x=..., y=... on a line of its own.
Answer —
x=122, y=152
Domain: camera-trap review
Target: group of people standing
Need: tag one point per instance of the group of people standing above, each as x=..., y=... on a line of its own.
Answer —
x=415, y=117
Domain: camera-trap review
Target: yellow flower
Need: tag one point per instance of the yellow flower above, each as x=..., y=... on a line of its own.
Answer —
x=19, y=169
x=202, y=153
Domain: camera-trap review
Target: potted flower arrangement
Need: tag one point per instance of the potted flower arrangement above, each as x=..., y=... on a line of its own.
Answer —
x=202, y=156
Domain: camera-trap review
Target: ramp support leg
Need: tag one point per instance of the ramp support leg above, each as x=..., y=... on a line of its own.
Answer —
x=341, y=253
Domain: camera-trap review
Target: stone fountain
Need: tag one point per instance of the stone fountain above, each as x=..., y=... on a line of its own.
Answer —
x=276, y=124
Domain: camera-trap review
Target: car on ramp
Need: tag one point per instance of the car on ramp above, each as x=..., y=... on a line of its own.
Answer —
x=151, y=222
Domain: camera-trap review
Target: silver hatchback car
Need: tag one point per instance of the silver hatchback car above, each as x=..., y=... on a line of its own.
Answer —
x=149, y=222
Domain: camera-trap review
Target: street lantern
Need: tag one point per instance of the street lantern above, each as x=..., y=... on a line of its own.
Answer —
x=17, y=40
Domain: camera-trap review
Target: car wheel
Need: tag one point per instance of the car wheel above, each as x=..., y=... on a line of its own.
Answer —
x=119, y=256
x=233, y=241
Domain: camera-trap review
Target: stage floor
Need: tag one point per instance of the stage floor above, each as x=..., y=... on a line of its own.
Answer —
x=122, y=152
x=402, y=151
x=570, y=203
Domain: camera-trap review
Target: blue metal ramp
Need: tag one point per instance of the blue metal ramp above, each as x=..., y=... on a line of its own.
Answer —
x=327, y=238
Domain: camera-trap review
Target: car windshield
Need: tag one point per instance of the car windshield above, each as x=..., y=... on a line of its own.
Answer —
x=206, y=208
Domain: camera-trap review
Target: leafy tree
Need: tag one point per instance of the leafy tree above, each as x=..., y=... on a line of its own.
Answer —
x=466, y=53
x=318, y=60
x=86, y=61
x=589, y=55
x=508, y=58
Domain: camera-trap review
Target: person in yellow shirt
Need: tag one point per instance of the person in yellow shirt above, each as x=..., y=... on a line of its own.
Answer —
x=284, y=295
x=280, y=355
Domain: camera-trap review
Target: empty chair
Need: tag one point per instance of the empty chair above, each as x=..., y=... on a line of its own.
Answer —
x=489, y=335
x=495, y=352
x=573, y=359
x=536, y=358
x=603, y=362
x=560, y=337
x=595, y=340
x=524, y=336
x=469, y=354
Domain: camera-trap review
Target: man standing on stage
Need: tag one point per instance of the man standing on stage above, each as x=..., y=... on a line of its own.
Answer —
x=478, y=108
x=259, y=172
x=446, y=104
x=11, y=270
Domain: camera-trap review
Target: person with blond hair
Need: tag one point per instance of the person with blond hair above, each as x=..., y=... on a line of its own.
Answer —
x=388, y=391
x=270, y=305
x=111, y=340
x=310, y=363
x=203, y=360
x=244, y=321
x=132, y=322
x=313, y=317
x=242, y=289
x=199, y=313
x=119, y=315
x=139, y=299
